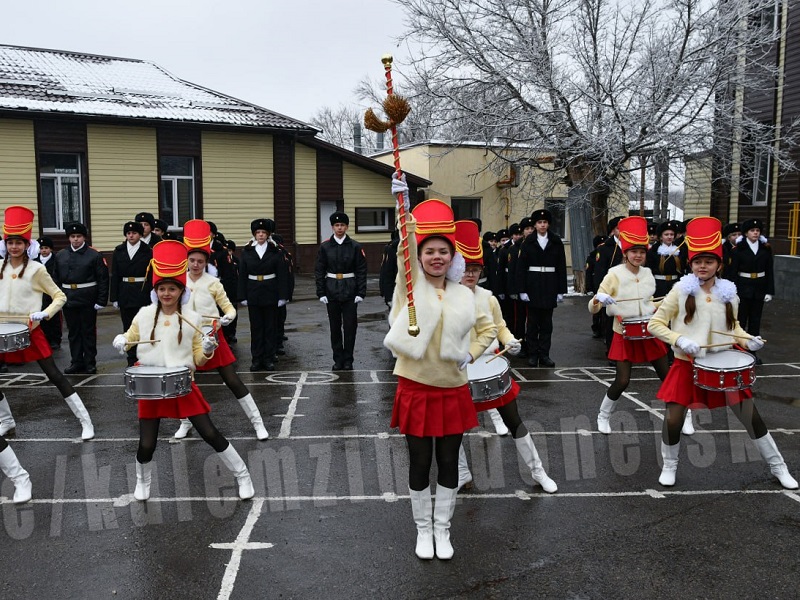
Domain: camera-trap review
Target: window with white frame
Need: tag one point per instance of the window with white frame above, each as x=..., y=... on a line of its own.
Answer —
x=60, y=183
x=177, y=202
x=761, y=178
x=374, y=220
x=466, y=208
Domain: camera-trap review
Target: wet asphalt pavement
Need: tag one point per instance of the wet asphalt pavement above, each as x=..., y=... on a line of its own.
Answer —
x=331, y=517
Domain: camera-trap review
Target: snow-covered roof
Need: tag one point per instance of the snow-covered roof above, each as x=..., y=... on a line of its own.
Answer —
x=56, y=81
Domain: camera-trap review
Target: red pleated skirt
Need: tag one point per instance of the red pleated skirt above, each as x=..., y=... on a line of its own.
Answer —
x=182, y=407
x=38, y=350
x=428, y=411
x=223, y=355
x=679, y=387
x=636, y=351
x=509, y=396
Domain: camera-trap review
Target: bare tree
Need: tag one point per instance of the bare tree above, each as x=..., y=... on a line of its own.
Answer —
x=343, y=126
x=593, y=85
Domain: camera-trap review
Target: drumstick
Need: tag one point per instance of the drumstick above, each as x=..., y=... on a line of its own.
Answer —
x=716, y=345
x=733, y=335
x=142, y=342
x=12, y=317
x=503, y=351
x=626, y=300
x=190, y=324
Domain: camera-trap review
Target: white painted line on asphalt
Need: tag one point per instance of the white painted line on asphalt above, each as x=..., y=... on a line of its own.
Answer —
x=629, y=396
x=82, y=382
x=241, y=544
x=286, y=425
x=793, y=496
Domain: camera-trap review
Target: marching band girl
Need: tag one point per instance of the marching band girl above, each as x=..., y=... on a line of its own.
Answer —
x=634, y=283
x=700, y=305
x=433, y=401
x=469, y=246
x=207, y=293
x=22, y=283
x=174, y=343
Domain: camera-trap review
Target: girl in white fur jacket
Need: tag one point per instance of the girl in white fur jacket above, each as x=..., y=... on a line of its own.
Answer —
x=700, y=305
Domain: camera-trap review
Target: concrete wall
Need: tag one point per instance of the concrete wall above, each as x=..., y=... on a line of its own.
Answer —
x=787, y=277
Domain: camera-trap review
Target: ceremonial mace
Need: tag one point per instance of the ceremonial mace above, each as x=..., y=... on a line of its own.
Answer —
x=397, y=109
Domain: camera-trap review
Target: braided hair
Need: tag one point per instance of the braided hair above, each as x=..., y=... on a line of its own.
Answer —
x=691, y=309
x=155, y=321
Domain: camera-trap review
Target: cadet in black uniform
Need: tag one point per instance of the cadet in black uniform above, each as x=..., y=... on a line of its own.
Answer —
x=505, y=283
x=388, y=272
x=130, y=277
x=160, y=228
x=227, y=266
x=730, y=233
x=666, y=260
x=148, y=221
x=263, y=288
x=50, y=327
x=607, y=256
x=280, y=334
x=83, y=275
x=341, y=277
x=752, y=272
x=588, y=268
x=541, y=272
x=488, y=279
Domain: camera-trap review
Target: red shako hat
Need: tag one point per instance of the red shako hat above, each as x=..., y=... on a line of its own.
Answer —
x=468, y=242
x=197, y=236
x=633, y=233
x=704, y=236
x=434, y=219
x=169, y=262
x=18, y=222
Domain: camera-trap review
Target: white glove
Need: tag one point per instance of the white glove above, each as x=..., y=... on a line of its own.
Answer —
x=244, y=302
x=514, y=347
x=225, y=320
x=501, y=296
x=119, y=343
x=757, y=343
x=389, y=304
x=358, y=299
x=463, y=364
x=524, y=297
x=209, y=344
x=116, y=304
x=768, y=298
x=39, y=316
x=98, y=307
x=399, y=186
x=604, y=299
x=560, y=298
x=282, y=303
x=688, y=346
x=324, y=299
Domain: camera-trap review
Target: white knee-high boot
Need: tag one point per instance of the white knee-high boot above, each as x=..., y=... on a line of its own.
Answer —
x=442, y=515
x=231, y=459
x=144, y=477
x=771, y=455
x=527, y=450
x=9, y=464
x=7, y=422
x=606, y=408
x=79, y=410
x=669, y=454
x=688, y=426
x=183, y=430
x=422, y=509
x=497, y=421
x=251, y=410
x=464, y=475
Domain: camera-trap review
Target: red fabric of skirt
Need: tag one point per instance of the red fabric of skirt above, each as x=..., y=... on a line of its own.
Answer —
x=38, y=350
x=182, y=407
x=428, y=411
x=636, y=351
x=509, y=396
x=223, y=356
x=679, y=387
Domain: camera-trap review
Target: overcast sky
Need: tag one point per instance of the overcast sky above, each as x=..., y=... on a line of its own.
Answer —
x=290, y=56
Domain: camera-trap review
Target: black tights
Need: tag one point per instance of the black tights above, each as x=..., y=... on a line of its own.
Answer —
x=56, y=377
x=3, y=443
x=231, y=379
x=148, y=436
x=745, y=411
x=512, y=420
x=622, y=379
x=420, y=458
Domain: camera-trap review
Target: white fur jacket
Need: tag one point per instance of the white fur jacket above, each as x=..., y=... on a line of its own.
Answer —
x=621, y=283
x=206, y=293
x=23, y=295
x=168, y=352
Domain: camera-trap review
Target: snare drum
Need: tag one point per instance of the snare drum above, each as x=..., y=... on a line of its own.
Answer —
x=488, y=380
x=725, y=371
x=635, y=328
x=157, y=383
x=14, y=337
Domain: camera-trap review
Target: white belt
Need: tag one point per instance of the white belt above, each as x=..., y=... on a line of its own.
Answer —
x=261, y=277
x=133, y=279
x=341, y=275
x=752, y=275
x=542, y=269
x=78, y=286
x=665, y=277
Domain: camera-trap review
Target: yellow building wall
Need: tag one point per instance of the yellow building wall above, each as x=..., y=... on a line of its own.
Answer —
x=18, y=165
x=365, y=189
x=123, y=179
x=237, y=181
x=697, y=190
x=305, y=195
